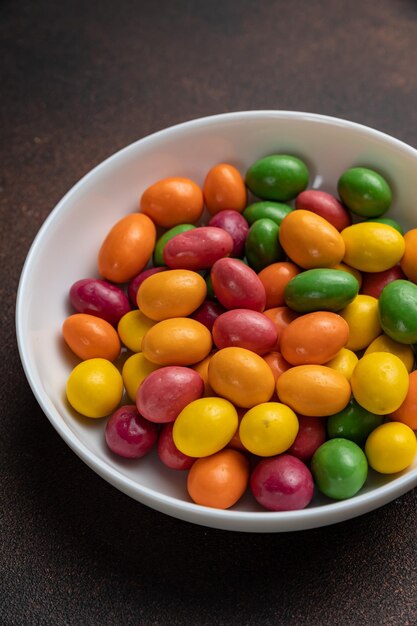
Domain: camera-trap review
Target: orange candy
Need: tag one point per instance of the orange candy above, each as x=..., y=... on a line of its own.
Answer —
x=127, y=248
x=91, y=337
x=173, y=201
x=224, y=188
x=174, y=293
x=277, y=363
x=313, y=390
x=409, y=260
x=202, y=369
x=407, y=413
x=274, y=278
x=177, y=341
x=314, y=338
x=310, y=240
x=219, y=480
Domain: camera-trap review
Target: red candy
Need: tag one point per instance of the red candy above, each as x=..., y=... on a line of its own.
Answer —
x=373, y=283
x=169, y=453
x=128, y=434
x=325, y=205
x=237, y=286
x=244, y=328
x=100, y=298
x=237, y=227
x=197, y=249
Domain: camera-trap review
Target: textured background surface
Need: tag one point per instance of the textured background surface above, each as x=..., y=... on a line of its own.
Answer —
x=80, y=80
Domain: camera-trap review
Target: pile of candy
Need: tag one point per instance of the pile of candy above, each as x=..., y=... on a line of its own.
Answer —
x=269, y=349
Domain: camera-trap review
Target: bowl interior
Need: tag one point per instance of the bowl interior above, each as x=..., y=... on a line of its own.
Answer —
x=66, y=247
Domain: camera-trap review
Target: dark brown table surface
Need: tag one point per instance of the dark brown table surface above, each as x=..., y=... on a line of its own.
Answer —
x=79, y=80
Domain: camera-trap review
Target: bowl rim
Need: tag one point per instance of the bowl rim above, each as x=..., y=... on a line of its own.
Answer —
x=258, y=521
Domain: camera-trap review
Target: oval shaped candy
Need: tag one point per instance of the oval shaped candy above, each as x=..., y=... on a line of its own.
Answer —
x=372, y=247
x=91, y=337
x=262, y=245
x=364, y=191
x=158, y=253
x=174, y=293
x=314, y=338
x=277, y=177
x=171, y=201
x=237, y=227
x=398, y=311
x=275, y=211
x=321, y=289
x=224, y=188
x=244, y=328
x=310, y=240
x=325, y=205
x=100, y=298
x=177, y=341
x=127, y=248
x=197, y=249
x=237, y=286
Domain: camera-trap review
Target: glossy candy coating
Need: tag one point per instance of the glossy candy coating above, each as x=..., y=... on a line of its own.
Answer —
x=321, y=290
x=127, y=248
x=389, y=221
x=198, y=249
x=282, y=483
x=158, y=253
x=281, y=316
x=269, y=428
x=234, y=224
x=314, y=338
x=277, y=363
x=340, y=468
x=237, y=286
x=132, y=327
x=275, y=278
x=168, y=452
x=380, y=382
x=128, y=434
x=362, y=318
x=262, y=244
x=398, y=311
x=241, y=376
x=310, y=241
x=164, y=393
x=325, y=205
x=372, y=247
x=91, y=337
x=374, y=282
x=135, y=369
x=94, y=388
x=219, y=480
x=353, y=422
x=174, y=293
x=391, y=448
x=364, y=191
x=344, y=362
x=313, y=390
x=311, y=434
x=244, y=328
x=100, y=298
x=177, y=341
x=172, y=201
x=224, y=188
x=205, y=426
x=383, y=343
x=277, y=177
x=275, y=211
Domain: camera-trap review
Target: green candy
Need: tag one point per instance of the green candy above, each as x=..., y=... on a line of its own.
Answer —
x=353, y=422
x=158, y=255
x=210, y=291
x=364, y=192
x=389, y=222
x=277, y=177
x=340, y=468
x=262, y=244
x=398, y=311
x=321, y=290
x=275, y=211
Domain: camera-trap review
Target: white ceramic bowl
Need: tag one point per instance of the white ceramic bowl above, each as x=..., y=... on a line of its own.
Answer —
x=65, y=250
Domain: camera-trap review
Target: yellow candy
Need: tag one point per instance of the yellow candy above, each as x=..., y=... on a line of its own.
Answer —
x=372, y=246
x=132, y=327
x=344, y=362
x=350, y=270
x=391, y=447
x=380, y=382
x=363, y=320
x=205, y=426
x=268, y=429
x=135, y=370
x=383, y=343
x=95, y=388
